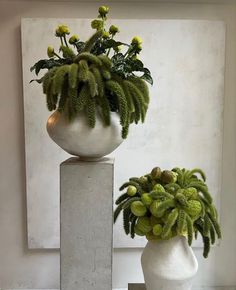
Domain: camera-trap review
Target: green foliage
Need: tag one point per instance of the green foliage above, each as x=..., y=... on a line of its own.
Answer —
x=91, y=112
x=172, y=218
x=169, y=203
x=126, y=219
x=83, y=71
x=116, y=90
x=83, y=76
x=73, y=75
x=67, y=52
x=89, y=44
x=181, y=223
x=59, y=78
x=90, y=58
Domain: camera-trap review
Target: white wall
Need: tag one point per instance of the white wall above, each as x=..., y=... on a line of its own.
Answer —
x=21, y=268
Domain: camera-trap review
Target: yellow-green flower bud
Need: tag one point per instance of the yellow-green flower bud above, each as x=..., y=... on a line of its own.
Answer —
x=136, y=40
x=190, y=192
x=113, y=30
x=159, y=188
x=156, y=173
x=153, y=208
x=73, y=39
x=139, y=47
x=132, y=190
x=135, y=57
x=154, y=220
x=168, y=176
x=103, y=10
x=50, y=51
x=194, y=208
x=157, y=230
x=143, y=179
x=146, y=199
x=97, y=24
x=138, y=208
x=151, y=237
x=106, y=35
x=62, y=30
x=144, y=225
x=137, y=231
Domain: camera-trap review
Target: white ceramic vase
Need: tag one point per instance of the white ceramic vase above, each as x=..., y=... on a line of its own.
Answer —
x=169, y=265
x=78, y=139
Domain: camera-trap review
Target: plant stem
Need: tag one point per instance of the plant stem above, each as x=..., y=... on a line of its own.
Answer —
x=110, y=47
x=57, y=55
x=64, y=37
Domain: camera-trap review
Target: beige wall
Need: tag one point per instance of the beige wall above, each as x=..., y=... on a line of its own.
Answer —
x=21, y=268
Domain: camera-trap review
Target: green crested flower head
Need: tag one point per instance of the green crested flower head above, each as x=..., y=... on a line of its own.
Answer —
x=50, y=51
x=113, y=29
x=156, y=173
x=62, y=30
x=138, y=208
x=157, y=230
x=170, y=203
x=97, y=24
x=132, y=190
x=146, y=199
x=73, y=39
x=137, y=41
x=103, y=10
x=106, y=35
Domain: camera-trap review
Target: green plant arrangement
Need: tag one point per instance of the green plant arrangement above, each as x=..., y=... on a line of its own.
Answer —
x=100, y=74
x=164, y=204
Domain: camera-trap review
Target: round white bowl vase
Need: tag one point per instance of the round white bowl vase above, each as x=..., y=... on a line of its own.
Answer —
x=77, y=138
x=169, y=265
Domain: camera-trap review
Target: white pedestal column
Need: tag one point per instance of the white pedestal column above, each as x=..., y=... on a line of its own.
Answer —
x=86, y=224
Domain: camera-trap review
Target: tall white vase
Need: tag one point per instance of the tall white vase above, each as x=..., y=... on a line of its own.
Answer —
x=169, y=265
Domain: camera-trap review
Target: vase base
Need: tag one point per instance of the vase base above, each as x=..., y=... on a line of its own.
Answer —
x=90, y=159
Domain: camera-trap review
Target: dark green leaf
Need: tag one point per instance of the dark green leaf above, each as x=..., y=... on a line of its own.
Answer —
x=47, y=64
x=147, y=78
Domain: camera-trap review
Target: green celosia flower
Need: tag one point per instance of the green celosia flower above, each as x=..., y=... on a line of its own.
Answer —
x=154, y=220
x=62, y=30
x=159, y=188
x=138, y=208
x=143, y=179
x=132, y=190
x=194, y=208
x=153, y=208
x=138, y=232
x=156, y=173
x=113, y=30
x=50, y=51
x=146, y=199
x=157, y=229
x=73, y=39
x=103, y=10
x=97, y=24
x=168, y=176
x=190, y=192
x=144, y=225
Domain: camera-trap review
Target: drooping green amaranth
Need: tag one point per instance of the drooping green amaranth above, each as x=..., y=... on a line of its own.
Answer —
x=95, y=77
x=169, y=203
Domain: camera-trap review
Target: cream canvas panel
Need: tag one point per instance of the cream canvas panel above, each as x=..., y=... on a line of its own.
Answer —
x=184, y=124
